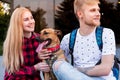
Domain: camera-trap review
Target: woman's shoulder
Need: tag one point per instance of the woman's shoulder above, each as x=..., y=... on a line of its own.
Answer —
x=36, y=34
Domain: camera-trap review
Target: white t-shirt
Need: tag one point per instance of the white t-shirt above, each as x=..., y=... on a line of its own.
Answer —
x=86, y=51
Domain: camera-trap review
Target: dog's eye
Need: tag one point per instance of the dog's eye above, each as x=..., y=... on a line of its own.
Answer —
x=46, y=33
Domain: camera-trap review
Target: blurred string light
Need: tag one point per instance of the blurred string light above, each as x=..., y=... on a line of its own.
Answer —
x=118, y=2
x=6, y=7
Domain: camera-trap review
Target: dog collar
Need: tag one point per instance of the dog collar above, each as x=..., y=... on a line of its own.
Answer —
x=54, y=49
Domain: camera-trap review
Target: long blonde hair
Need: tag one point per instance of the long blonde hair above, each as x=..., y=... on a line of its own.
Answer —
x=12, y=47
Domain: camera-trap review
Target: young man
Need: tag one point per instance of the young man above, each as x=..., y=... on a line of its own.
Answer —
x=86, y=51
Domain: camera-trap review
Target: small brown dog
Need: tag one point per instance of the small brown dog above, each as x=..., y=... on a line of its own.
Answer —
x=53, y=44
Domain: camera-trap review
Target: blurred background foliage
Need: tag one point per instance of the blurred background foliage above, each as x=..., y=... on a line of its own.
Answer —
x=40, y=21
x=4, y=21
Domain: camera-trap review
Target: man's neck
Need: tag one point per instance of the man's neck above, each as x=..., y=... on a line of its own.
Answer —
x=86, y=30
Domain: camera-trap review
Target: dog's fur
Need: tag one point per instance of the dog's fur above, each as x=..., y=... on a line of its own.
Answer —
x=52, y=36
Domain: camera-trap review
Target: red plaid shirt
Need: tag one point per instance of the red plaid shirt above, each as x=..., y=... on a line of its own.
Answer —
x=27, y=71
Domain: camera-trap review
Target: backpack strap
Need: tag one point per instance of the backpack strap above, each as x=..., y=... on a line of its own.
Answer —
x=98, y=34
x=71, y=44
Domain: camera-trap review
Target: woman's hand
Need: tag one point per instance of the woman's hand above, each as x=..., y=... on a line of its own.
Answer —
x=42, y=66
x=44, y=54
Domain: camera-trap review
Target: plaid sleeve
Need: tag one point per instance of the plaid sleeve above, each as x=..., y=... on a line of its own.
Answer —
x=23, y=71
x=26, y=71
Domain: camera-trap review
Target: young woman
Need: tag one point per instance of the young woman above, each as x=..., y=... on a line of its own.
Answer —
x=19, y=56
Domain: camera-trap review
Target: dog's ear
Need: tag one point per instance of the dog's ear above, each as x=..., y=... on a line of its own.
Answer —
x=58, y=32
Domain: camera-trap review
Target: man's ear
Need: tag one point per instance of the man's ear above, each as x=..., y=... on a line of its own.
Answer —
x=79, y=14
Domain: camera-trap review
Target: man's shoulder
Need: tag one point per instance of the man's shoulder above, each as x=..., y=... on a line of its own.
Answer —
x=67, y=35
x=108, y=30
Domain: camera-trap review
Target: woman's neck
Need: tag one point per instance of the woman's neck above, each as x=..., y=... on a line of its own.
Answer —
x=27, y=34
